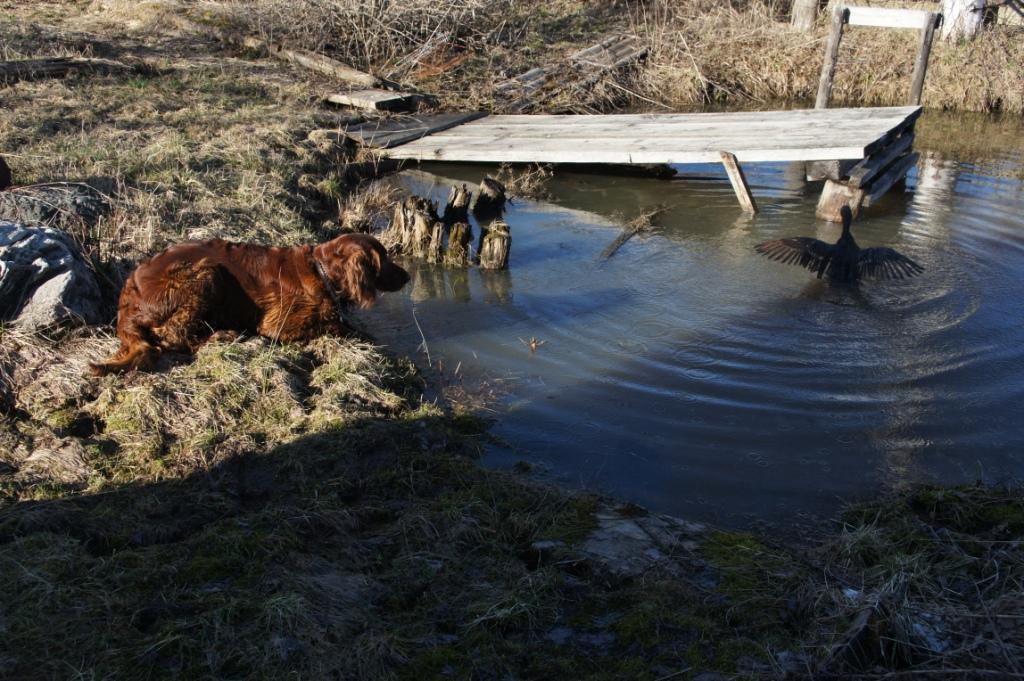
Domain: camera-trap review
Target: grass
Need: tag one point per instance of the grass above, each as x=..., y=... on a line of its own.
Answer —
x=301, y=511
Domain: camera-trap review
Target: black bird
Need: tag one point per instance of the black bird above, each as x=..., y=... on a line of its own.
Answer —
x=842, y=261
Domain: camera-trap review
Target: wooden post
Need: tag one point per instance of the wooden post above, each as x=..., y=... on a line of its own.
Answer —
x=495, y=247
x=490, y=200
x=923, y=51
x=834, y=196
x=828, y=67
x=459, y=237
x=436, y=245
x=803, y=14
x=962, y=18
x=739, y=182
x=457, y=208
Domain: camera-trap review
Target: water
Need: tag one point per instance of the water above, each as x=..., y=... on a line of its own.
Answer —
x=694, y=377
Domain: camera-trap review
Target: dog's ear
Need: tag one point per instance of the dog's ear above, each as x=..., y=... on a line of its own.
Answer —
x=360, y=275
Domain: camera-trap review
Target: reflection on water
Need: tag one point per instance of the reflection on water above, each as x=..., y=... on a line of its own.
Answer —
x=690, y=375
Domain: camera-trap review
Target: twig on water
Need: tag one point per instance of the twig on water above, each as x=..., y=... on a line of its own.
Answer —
x=642, y=223
x=426, y=348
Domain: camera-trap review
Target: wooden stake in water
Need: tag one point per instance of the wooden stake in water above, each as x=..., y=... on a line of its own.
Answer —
x=739, y=182
x=495, y=246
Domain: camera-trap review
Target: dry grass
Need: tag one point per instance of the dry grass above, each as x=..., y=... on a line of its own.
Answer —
x=740, y=54
x=936, y=576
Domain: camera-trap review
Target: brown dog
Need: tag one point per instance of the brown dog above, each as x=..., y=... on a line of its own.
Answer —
x=177, y=299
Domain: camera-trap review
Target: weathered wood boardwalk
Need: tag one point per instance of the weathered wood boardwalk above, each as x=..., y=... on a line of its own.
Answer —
x=797, y=135
x=875, y=142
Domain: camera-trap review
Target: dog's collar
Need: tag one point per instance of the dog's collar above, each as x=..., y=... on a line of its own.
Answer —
x=339, y=306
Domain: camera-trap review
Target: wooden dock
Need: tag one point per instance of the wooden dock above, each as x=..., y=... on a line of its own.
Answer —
x=754, y=137
x=875, y=143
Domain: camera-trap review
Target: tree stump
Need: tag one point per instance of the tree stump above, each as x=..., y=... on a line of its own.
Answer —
x=5, y=174
x=490, y=200
x=495, y=246
x=413, y=226
x=803, y=14
x=457, y=208
x=459, y=238
x=436, y=245
x=962, y=19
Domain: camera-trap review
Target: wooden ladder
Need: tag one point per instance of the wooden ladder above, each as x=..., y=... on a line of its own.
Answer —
x=861, y=183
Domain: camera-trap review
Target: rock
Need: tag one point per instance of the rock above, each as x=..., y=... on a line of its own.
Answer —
x=5, y=174
x=627, y=547
x=53, y=204
x=62, y=461
x=44, y=282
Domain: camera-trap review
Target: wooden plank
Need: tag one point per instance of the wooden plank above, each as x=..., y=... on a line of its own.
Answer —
x=884, y=183
x=670, y=132
x=868, y=169
x=56, y=67
x=518, y=154
x=799, y=116
x=376, y=100
x=395, y=131
x=828, y=66
x=888, y=18
x=315, y=62
x=894, y=132
x=739, y=182
x=690, y=143
x=924, y=50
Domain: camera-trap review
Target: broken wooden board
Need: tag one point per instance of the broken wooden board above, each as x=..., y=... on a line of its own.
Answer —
x=376, y=99
x=57, y=67
x=391, y=132
x=581, y=70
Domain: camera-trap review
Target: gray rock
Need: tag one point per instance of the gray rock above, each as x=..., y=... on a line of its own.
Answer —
x=44, y=282
x=628, y=546
x=53, y=204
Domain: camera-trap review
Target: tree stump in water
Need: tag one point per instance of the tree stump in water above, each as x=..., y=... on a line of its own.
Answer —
x=457, y=208
x=459, y=238
x=490, y=200
x=495, y=246
x=436, y=245
x=5, y=174
x=413, y=225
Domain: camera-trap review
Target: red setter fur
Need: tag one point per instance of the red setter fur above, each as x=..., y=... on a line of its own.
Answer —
x=177, y=299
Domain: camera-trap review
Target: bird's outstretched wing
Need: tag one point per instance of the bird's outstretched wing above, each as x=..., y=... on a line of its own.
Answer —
x=799, y=250
x=885, y=263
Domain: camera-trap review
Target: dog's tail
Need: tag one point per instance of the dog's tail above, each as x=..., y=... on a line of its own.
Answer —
x=138, y=355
